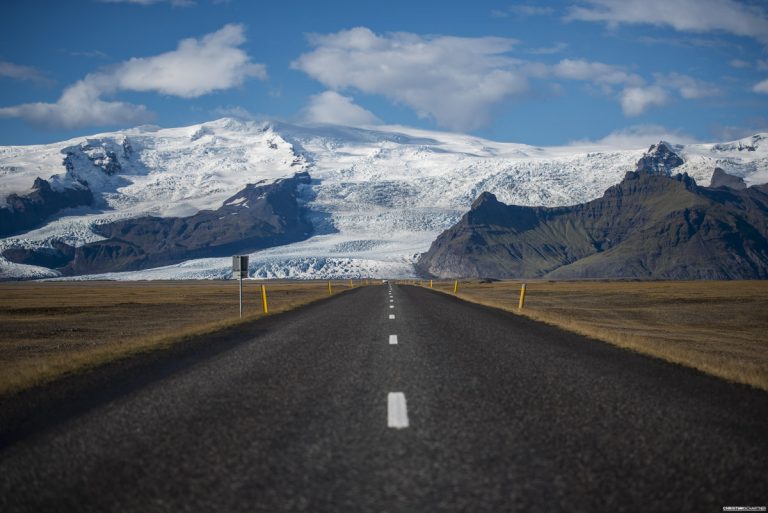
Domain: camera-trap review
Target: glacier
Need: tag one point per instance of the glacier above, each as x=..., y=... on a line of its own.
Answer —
x=378, y=197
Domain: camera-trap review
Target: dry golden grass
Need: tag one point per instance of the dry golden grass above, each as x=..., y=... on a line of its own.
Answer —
x=49, y=329
x=718, y=327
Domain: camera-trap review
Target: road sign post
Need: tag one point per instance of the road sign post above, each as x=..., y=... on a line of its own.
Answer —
x=240, y=268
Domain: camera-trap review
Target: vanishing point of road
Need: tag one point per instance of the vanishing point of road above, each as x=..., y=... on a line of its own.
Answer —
x=387, y=399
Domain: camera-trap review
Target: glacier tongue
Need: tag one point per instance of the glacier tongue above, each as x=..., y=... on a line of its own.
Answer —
x=378, y=196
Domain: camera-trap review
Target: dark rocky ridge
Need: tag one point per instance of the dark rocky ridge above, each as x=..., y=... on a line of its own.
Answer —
x=30, y=210
x=58, y=254
x=649, y=226
x=722, y=179
x=257, y=217
x=34, y=209
x=659, y=160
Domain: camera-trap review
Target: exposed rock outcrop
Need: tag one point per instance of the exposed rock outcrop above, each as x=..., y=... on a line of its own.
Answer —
x=58, y=254
x=23, y=212
x=649, y=226
x=722, y=179
x=257, y=217
x=660, y=159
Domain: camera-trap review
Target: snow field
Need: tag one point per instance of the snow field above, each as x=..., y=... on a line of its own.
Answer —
x=379, y=196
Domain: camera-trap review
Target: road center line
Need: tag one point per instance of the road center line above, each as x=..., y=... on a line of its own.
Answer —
x=393, y=340
x=391, y=306
x=397, y=412
x=391, y=316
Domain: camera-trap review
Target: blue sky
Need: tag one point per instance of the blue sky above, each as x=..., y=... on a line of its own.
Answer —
x=539, y=73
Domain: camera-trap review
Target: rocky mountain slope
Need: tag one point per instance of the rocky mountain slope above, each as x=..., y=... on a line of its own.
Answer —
x=652, y=225
x=29, y=210
x=377, y=197
x=259, y=216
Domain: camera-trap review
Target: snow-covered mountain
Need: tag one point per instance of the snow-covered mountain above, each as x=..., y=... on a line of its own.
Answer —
x=377, y=197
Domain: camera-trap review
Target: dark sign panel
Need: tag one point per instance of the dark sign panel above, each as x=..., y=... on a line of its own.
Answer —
x=240, y=266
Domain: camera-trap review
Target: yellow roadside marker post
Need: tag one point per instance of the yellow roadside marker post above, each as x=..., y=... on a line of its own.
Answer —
x=264, y=299
x=330, y=289
x=350, y=284
x=455, y=286
x=522, y=297
x=430, y=284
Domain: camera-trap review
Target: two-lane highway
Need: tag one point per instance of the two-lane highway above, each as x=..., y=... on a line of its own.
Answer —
x=400, y=399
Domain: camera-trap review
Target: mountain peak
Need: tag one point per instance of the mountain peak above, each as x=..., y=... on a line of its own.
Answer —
x=754, y=143
x=660, y=159
x=484, y=198
x=608, y=237
x=392, y=187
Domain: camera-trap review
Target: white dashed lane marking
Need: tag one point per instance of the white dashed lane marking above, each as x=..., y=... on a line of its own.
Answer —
x=393, y=340
x=397, y=411
x=391, y=316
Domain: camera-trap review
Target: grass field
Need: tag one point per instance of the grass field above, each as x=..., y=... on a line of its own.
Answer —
x=718, y=327
x=48, y=329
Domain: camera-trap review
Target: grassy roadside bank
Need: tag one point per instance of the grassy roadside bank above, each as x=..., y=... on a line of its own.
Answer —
x=51, y=329
x=718, y=327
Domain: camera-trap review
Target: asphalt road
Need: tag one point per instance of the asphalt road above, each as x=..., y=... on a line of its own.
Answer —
x=318, y=410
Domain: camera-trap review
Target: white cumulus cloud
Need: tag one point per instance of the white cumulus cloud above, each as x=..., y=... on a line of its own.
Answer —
x=197, y=67
x=454, y=80
x=460, y=82
x=739, y=64
x=237, y=112
x=80, y=105
x=701, y=16
x=638, y=137
x=688, y=87
x=531, y=10
x=596, y=72
x=334, y=108
x=635, y=100
x=21, y=72
x=638, y=97
x=761, y=87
